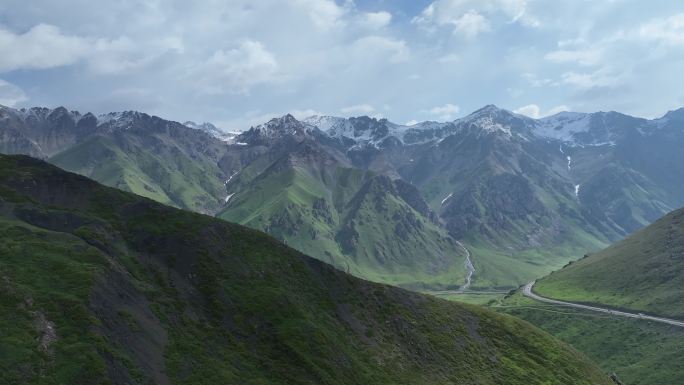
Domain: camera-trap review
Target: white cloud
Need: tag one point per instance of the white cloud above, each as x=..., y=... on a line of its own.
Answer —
x=236, y=70
x=600, y=78
x=43, y=46
x=557, y=109
x=450, y=58
x=533, y=111
x=189, y=59
x=534, y=81
x=668, y=30
x=301, y=114
x=395, y=50
x=376, y=20
x=445, y=112
x=471, y=24
x=11, y=95
x=470, y=18
x=358, y=109
x=325, y=14
x=123, y=54
x=584, y=57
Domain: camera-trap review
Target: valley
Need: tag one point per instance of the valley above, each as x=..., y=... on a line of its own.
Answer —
x=464, y=211
x=341, y=192
x=388, y=202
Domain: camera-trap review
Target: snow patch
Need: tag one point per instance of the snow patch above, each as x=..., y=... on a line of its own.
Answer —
x=577, y=190
x=231, y=177
x=447, y=198
x=563, y=126
x=229, y=196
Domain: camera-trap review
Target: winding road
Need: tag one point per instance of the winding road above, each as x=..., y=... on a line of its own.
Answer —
x=527, y=292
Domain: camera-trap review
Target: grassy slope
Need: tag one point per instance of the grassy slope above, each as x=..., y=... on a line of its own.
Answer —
x=139, y=293
x=643, y=272
x=282, y=201
x=641, y=353
x=165, y=174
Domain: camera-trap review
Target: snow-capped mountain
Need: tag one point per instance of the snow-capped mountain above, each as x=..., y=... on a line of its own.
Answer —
x=277, y=128
x=212, y=130
x=512, y=183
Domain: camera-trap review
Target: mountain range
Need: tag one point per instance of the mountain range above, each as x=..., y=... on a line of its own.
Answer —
x=392, y=203
x=100, y=286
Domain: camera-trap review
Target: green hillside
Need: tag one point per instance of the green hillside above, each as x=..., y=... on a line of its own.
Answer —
x=157, y=170
x=100, y=286
x=639, y=352
x=644, y=272
x=362, y=223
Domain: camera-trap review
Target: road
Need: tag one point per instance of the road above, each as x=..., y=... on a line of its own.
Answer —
x=469, y=267
x=527, y=292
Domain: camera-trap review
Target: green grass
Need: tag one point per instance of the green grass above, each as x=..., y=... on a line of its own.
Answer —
x=639, y=352
x=142, y=293
x=350, y=219
x=644, y=272
x=476, y=298
x=495, y=268
x=165, y=174
x=50, y=273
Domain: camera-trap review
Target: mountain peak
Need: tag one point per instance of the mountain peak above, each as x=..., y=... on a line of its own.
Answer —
x=675, y=115
x=490, y=110
x=285, y=122
x=276, y=128
x=492, y=119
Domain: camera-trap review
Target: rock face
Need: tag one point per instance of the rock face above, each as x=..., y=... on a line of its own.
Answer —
x=502, y=183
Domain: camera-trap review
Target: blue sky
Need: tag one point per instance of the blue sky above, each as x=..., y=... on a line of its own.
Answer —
x=237, y=63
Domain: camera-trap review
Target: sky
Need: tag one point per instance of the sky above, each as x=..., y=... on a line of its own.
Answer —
x=238, y=63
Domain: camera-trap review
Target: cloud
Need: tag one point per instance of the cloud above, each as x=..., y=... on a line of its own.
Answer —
x=122, y=54
x=376, y=20
x=11, y=95
x=219, y=60
x=364, y=109
x=411, y=122
x=450, y=58
x=301, y=114
x=325, y=14
x=41, y=47
x=601, y=78
x=536, y=82
x=533, y=111
x=557, y=109
x=584, y=57
x=396, y=50
x=469, y=18
x=445, y=112
x=45, y=46
x=471, y=24
x=236, y=70
x=668, y=30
